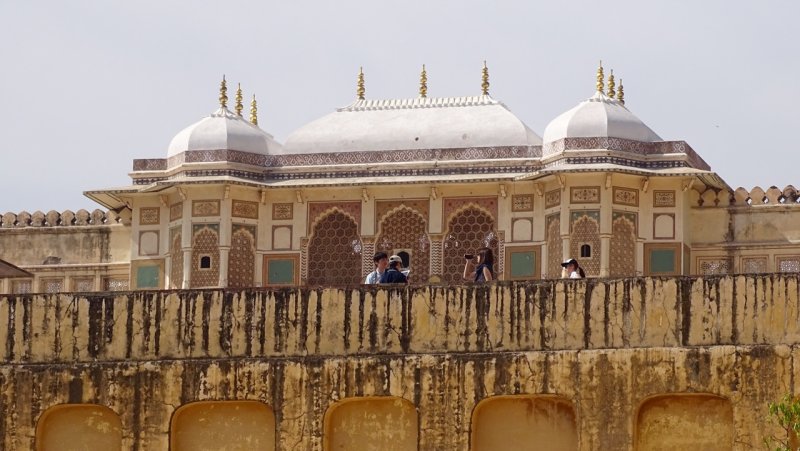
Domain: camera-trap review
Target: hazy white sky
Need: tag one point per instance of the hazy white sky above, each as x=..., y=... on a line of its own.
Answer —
x=89, y=86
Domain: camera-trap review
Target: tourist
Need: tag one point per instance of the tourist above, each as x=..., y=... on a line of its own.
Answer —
x=484, y=272
x=394, y=274
x=572, y=269
x=381, y=262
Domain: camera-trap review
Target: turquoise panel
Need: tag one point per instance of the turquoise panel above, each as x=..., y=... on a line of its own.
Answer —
x=147, y=277
x=280, y=272
x=523, y=263
x=662, y=261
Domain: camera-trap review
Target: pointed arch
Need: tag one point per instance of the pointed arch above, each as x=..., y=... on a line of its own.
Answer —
x=622, y=255
x=334, y=250
x=205, y=255
x=586, y=231
x=242, y=257
x=404, y=228
x=469, y=228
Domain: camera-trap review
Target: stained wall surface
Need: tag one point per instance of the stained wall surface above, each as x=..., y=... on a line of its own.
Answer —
x=605, y=348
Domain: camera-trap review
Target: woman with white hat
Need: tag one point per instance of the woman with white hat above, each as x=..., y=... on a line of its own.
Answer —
x=573, y=270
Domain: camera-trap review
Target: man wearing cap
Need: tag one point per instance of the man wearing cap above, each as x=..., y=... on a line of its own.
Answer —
x=393, y=274
x=381, y=262
x=573, y=270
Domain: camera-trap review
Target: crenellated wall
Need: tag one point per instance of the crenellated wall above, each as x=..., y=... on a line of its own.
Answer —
x=608, y=361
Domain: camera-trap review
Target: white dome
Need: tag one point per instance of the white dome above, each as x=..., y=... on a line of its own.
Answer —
x=422, y=123
x=599, y=116
x=223, y=130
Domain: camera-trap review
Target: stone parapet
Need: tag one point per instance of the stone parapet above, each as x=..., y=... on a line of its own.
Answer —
x=518, y=317
x=54, y=218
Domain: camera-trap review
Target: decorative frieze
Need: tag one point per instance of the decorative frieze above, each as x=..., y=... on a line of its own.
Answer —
x=626, y=196
x=282, y=211
x=663, y=198
x=552, y=198
x=176, y=211
x=244, y=209
x=205, y=208
x=584, y=194
x=522, y=202
x=149, y=216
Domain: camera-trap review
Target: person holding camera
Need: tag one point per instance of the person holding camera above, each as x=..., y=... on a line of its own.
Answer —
x=484, y=272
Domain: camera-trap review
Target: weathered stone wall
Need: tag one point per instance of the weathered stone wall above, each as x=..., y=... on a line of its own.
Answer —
x=604, y=347
x=74, y=245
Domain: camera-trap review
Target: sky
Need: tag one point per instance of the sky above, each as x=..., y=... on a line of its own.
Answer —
x=93, y=85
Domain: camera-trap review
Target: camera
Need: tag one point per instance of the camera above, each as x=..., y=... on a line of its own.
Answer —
x=468, y=256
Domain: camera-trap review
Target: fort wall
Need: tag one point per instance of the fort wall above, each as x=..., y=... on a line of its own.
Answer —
x=607, y=364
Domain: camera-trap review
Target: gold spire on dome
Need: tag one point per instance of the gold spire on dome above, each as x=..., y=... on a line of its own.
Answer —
x=611, y=85
x=600, y=77
x=423, y=83
x=223, y=93
x=253, y=111
x=621, y=93
x=485, y=84
x=360, y=90
x=239, y=100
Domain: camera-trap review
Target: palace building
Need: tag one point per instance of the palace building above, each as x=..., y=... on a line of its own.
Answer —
x=428, y=178
x=216, y=301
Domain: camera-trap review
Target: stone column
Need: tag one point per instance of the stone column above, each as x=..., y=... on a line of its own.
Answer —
x=224, y=254
x=605, y=254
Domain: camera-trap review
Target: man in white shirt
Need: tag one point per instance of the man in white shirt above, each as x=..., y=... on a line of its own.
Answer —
x=381, y=262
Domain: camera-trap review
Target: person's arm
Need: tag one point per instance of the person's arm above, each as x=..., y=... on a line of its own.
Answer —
x=467, y=273
x=487, y=275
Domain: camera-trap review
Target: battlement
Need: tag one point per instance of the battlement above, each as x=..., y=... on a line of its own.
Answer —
x=741, y=197
x=67, y=218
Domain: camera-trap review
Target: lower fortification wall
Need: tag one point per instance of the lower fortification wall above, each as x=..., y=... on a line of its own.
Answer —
x=631, y=364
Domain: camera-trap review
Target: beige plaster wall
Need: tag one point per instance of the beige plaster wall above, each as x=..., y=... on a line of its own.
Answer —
x=73, y=245
x=605, y=348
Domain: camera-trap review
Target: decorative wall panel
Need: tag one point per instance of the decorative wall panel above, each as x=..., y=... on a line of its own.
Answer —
x=205, y=208
x=148, y=242
x=334, y=251
x=626, y=196
x=751, y=265
x=384, y=207
x=176, y=258
x=244, y=209
x=205, y=243
x=452, y=205
x=788, y=263
x=149, y=216
x=282, y=211
x=585, y=230
x=522, y=202
x=467, y=231
x=406, y=229
x=176, y=211
x=708, y=266
x=242, y=257
x=317, y=210
x=82, y=284
x=584, y=194
x=622, y=258
x=552, y=198
x=663, y=198
x=555, y=251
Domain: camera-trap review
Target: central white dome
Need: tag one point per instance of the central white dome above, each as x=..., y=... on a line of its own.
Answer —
x=599, y=116
x=404, y=124
x=224, y=130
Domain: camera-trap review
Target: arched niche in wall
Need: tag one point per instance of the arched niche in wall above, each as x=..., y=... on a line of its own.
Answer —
x=685, y=421
x=386, y=423
x=68, y=427
x=524, y=422
x=215, y=425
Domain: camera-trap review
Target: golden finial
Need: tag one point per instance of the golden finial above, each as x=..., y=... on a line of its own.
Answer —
x=611, y=85
x=239, y=100
x=423, y=83
x=600, y=77
x=223, y=93
x=485, y=84
x=253, y=111
x=360, y=91
x=621, y=93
